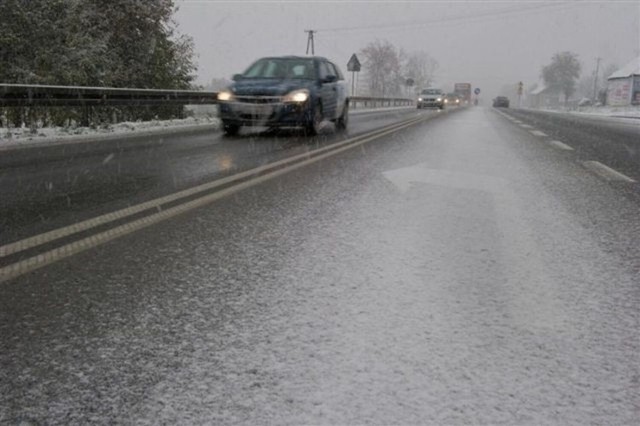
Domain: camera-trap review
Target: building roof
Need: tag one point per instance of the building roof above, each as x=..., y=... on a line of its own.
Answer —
x=632, y=68
x=541, y=88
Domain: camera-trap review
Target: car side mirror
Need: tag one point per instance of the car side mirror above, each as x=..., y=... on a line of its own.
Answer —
x=330, y=79
x=236, y=77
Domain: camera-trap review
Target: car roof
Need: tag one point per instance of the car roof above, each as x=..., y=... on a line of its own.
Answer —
x=297, y=57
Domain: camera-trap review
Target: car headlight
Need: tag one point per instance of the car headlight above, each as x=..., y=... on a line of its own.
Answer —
x=297, y=96
x=457, y=101
x=225, y=96
x=439, y=99
x=446, y=101
x=419, y=99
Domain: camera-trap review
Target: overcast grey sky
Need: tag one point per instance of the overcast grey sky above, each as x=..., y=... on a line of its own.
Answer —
x=487, y=43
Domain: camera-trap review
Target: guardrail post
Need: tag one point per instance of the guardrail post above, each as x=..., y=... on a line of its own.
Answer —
x=85, y=116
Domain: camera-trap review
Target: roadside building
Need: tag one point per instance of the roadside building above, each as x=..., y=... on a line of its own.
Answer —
x=623, y=86
x=544, y=97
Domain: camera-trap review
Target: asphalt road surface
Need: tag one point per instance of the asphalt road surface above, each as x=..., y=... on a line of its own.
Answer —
x=477, y=266
x=44, y=188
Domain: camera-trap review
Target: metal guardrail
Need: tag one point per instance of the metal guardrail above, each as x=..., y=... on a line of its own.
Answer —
x=373, y=102
x=20, y=95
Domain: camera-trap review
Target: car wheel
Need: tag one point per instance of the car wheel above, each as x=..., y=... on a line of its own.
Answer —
x=343, y=120
x=231, y=129
x=313, y=126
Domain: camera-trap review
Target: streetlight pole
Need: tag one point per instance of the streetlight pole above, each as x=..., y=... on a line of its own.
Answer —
x=595, y=79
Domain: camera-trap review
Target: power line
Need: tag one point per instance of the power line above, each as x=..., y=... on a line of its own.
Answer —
x=468, y=18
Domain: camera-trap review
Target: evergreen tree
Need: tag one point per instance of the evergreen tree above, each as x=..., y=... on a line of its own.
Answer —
x=115, y=43
x=122, y=43
x=562, y=73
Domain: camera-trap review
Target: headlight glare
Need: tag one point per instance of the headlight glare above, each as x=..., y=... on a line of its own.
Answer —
x=297, y=96
x=225, y=96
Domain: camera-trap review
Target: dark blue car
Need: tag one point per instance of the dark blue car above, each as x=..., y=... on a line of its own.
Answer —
x=289, y=91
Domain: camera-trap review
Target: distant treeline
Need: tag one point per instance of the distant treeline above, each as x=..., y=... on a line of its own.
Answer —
x=114, y=43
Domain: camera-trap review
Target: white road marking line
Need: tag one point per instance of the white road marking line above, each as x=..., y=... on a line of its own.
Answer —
x=560, y=145
x=606, y=172
x=517, y=121
x=526, y=126
x=59, y=253
x=55, y=234
x=538, y=133
x=108, y=158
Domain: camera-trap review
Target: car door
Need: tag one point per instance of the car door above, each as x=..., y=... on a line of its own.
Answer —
x=342, y=90
x=328, y=90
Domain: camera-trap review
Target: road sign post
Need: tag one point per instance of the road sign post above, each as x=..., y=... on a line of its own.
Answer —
x=354, y=66
x=520, y=90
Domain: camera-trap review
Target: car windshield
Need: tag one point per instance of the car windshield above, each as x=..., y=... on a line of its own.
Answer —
x=431, y=92
x=279, y=68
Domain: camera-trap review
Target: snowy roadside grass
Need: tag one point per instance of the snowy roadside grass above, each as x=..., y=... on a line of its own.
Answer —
x=204, y=118
x=607, y=111
x=25, y=136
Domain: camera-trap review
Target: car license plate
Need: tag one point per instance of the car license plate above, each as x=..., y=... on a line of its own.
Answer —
x=255, y=110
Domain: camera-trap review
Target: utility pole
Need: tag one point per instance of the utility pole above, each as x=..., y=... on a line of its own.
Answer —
x=595, y=80
x=310, y=41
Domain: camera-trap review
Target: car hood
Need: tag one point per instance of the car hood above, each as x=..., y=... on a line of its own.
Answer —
x=268, y=87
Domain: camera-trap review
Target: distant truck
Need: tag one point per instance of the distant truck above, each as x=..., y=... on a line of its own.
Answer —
x=463, y=90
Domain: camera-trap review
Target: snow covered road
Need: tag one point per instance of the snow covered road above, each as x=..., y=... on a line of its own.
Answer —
x=460, y=271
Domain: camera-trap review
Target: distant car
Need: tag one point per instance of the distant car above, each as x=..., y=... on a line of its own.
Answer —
x=431, y=98
x=288, y=91
x=501, y=102
x=452, y=99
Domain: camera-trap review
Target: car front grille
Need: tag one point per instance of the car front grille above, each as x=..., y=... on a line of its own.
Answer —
x=259, y=99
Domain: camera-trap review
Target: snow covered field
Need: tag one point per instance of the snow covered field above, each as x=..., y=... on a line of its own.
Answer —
x=12, y=137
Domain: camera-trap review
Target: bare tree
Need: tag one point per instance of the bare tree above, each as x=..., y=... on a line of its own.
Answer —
x=421, y=68
x=382, y=62
x=585, y=85
x=606, y=72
